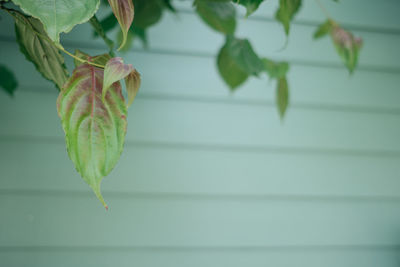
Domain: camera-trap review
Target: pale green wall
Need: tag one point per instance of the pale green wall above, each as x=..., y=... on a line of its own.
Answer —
x=213, y=179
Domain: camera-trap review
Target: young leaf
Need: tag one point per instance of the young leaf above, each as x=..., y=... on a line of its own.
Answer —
x=59, y=15
x=287, y=10
x=116, y=70
x=37, y=48
x=242, y=53
x=94, y=129
x=250, y=5
x=282, y=96
x=275, y=69
x=7, y=80
x=229, y=70
x=347, y=46
x=218, y=15
x=324, y=29
x=123, y=11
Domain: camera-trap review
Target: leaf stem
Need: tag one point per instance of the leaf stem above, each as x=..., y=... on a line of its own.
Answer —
x=323, y=9
x=78, y=58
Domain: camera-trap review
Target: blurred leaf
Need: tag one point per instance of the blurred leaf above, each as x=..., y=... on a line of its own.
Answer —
x=98, y=28
x=347, y=46
x=169, y=6
x=94, y=129
x=39, y=49
x=324, y=29
x=219, y=16
x=275, y=69
x=108, y=23
x=285, y=13
x=282, y=96
x=242, y=53
x=250, y=5
x=147, y=12
x=60, y=16
x=123, y=11
x=7, y=80
x=229, y=70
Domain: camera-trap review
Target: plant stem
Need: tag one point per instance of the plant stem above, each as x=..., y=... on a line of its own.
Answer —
x=323, y=9
x=78, y=58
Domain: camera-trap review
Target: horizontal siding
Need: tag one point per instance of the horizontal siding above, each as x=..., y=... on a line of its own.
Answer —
x=210, y=178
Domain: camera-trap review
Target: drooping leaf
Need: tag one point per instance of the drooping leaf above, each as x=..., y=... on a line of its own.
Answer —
x=229, y=70
x=123, y=11
x=250, y=5
x=114, y=71
x=275, y=69
x=37, y=48
x=94, y=129
x=98, y=28
x=218, y=15
x=347, y=46
x=59, y=15
x=242, y=53
x=100, y=59
x=285, y=13
x=147, y=12
x=282, y=96
x=132, y=82
x=324, y=29
x=7, y=80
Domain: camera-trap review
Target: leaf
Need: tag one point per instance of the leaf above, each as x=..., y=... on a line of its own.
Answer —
x=287, y=10
x=59, y=15
x=96, y=24
x=132, y=82
x=275, y=69
x=7, y=80
x=218, y=15
x=242, y=53
x=347, y=46
x=148, y=12
x=123, y=11
x=94, y=129
x=37, y=48
x=250, y=5
x=107, y=24
x=282, y=96
x=100, y=59
x=324, y=29
x=229, y=70
x=169, y=6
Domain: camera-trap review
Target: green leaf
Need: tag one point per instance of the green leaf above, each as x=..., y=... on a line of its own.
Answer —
x=94, y=129
x=250, y=5
x=169, y=6
x=59, y=15
x=123, y=11
x=107, y=24
x=147, y=12
x=7, y=80
x=282, y=96
x=242, y=53
x=275, y=69
x=100, y=59
x=324, y=29
x=219, y=16
x=347, y=46
x=39, y=49
x=229, y=70
x=98, y=28
x=287, y=10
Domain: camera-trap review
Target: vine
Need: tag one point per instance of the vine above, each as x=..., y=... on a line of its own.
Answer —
x=91, y=106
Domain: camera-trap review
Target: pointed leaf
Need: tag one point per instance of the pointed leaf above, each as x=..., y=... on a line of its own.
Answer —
x=218, y=15
x=242, y=53
x=287, y=10
x=275, y=69
x=282, y=96
x=7, y=80
x=250, y=5
x=59, y=15
x=37, y=48
x=123, y=11
x=94, y=129
x=229, y=70
x=114, y=71
x=324, y=29
x=132, y=82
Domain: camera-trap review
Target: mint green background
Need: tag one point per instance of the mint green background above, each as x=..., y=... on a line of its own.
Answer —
x=210, y=178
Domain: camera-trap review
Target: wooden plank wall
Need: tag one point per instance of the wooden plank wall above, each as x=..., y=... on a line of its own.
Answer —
x=210, y=178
